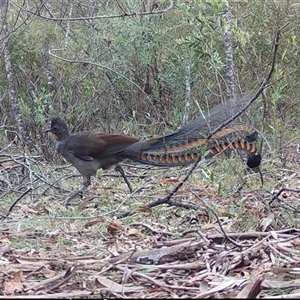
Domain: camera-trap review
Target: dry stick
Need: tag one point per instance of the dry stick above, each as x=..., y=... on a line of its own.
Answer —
x=153, y=230
x=68, y=274
x=156, y=282
x=167, y=200
x=288, y=249
x=218, y=238
x=230, y=239
x=285, y=110
x=63, y=295
x=223, y=231
x=287, y=296
x=196, y=265
x=280, y=191
x=43, y=284
x=284, y=235
x=276, y=196
x=12, y=206
x=53, y=184
x=283, y=256
x=258, y=93
x=290, y=206
x=17, y=159
x=288, y=143
x=123, y=15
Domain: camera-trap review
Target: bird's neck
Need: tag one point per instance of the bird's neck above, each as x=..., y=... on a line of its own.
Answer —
x=62, y=135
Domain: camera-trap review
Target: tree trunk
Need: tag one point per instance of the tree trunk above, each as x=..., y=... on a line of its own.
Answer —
x=231, y=84
x=11, y=78
x=187, y=90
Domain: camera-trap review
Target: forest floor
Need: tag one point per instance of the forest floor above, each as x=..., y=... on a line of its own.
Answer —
x=223, y=234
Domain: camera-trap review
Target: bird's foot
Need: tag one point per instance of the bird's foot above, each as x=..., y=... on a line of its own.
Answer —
x=72, y=196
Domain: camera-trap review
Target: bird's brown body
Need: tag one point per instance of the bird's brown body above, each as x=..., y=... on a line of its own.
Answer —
x=88, y=151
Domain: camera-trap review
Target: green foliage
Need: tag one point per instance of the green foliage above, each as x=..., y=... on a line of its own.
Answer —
x=129, y=72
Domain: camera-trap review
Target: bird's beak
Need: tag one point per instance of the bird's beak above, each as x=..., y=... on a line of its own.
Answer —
x=47, y=130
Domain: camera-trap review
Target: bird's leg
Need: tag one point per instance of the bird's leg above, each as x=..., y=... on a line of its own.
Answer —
x=86, y=183
x=120, y=169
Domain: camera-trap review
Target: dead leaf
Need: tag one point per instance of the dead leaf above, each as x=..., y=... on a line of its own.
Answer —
x=273, y=284
x=296, y=242
x=115, y=287
x=228, y=282
x=132, y=232
x=142, y=209
x=45, y=208
x=252, y=289
x=4, y=242
x=114, y=227
x=266, y=221
x=93, y=222
x=203, y=286
x=13, y=283
x=170, y=180
x=274, y=234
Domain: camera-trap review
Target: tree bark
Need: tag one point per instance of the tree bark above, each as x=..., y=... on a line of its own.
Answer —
x=11, y=78
x=187, y=90
x=231, y=84
x=50, y=79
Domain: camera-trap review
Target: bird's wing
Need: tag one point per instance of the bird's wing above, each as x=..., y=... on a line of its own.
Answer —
x=89, y=146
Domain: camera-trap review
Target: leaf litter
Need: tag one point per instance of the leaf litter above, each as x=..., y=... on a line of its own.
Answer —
x=241, y=244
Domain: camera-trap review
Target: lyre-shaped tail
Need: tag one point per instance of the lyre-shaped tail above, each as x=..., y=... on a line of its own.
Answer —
x=185, y=145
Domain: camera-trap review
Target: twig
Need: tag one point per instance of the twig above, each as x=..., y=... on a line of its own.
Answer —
x=156, y=282
x=276, y=196
x=68, y=274
x=153, y=230
x=283, y=256
x=13, y=205
x=63, y=295
x=223, y=231
x=260, y=90
x=122, y=15
x=263, y=85
x=166, y=200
